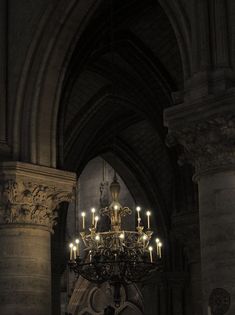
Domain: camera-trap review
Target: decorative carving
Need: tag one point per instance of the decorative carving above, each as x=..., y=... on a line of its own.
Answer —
x=208, y=144
x=219, y=301
x=27, y=202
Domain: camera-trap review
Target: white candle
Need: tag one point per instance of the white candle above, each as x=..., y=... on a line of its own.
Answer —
x=151, y=253
x=77, y=242
x=74, y=252
x=144, y=239
x=93, y=216
x=148, y=217
x=90, y=256
x=160, y=249
x=96, y=221
x=139, y=219
x=83, y=220
x=157, y=243
x=71, y=251
x=138, y=211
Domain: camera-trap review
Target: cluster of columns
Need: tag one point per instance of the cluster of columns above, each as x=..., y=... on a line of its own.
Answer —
x=29, y=197
x=205, y=130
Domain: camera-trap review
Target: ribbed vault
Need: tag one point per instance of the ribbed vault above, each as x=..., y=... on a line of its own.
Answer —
x=114, y=96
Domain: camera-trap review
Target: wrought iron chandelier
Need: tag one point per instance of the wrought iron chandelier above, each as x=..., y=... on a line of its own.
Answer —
x=116, y=255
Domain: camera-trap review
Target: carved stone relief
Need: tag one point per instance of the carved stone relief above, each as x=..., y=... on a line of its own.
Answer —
x=207, y=144
x=30, y=203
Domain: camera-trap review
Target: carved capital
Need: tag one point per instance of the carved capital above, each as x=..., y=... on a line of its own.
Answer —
x=185, y=227
x=208, y=144
x=23, y=202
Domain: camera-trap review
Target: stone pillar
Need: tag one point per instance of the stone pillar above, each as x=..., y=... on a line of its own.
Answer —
x=185, y=227
x=29, y=196
x=207, y=132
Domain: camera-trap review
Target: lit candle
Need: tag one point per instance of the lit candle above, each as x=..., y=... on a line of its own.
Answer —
x=157, y=243
x=77, y=242
x=144, y=239
x=74, y=252
x=148, y=217
x=71, y=251
x=160, y=249
x=97, y=238
x=138, y=211
x=90, y=255
x=93, y=216
x=96, y=220
x=151, y=253
x=83, y=220
x=122, y=236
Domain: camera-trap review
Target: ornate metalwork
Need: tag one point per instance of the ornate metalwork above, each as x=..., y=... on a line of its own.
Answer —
x=116, y=256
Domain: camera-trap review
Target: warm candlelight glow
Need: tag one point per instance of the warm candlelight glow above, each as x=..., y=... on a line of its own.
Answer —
x=122, y=236
x=148, y=217
x=138, y=209
x=71, y=251
x=144, y=239
x=74, y=252
x=160, y=249
x=96, y=221
x=83, y=220
x=77, y=242
x=93, y=216
x=115, y=207
x=97, y=238
x=151, y=253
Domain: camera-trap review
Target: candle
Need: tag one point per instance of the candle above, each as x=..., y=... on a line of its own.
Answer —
x=97, y=238
x=74, y=252
x=96, y=220
x=148, y=217
x=122, y=236
x=90, y=255
x=83, y=220
x=157, y=243
x=144, y=239
x=151, y=253
x=93, y=216
x=138, y=214
x=71, y=251
x=160, y=249
x=77, y=242
x=138, y=211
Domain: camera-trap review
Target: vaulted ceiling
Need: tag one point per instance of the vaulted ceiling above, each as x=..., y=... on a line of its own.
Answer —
x=119, y=80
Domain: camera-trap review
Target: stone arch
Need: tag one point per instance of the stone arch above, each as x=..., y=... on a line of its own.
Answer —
x=181, y=26
x=88, y=298
x=34, y=130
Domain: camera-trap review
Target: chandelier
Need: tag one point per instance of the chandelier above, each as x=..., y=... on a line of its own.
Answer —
x=117, y=256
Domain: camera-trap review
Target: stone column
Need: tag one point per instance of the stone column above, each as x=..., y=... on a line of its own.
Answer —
x=29, y=196
x=207, y=132
x=185, y=227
